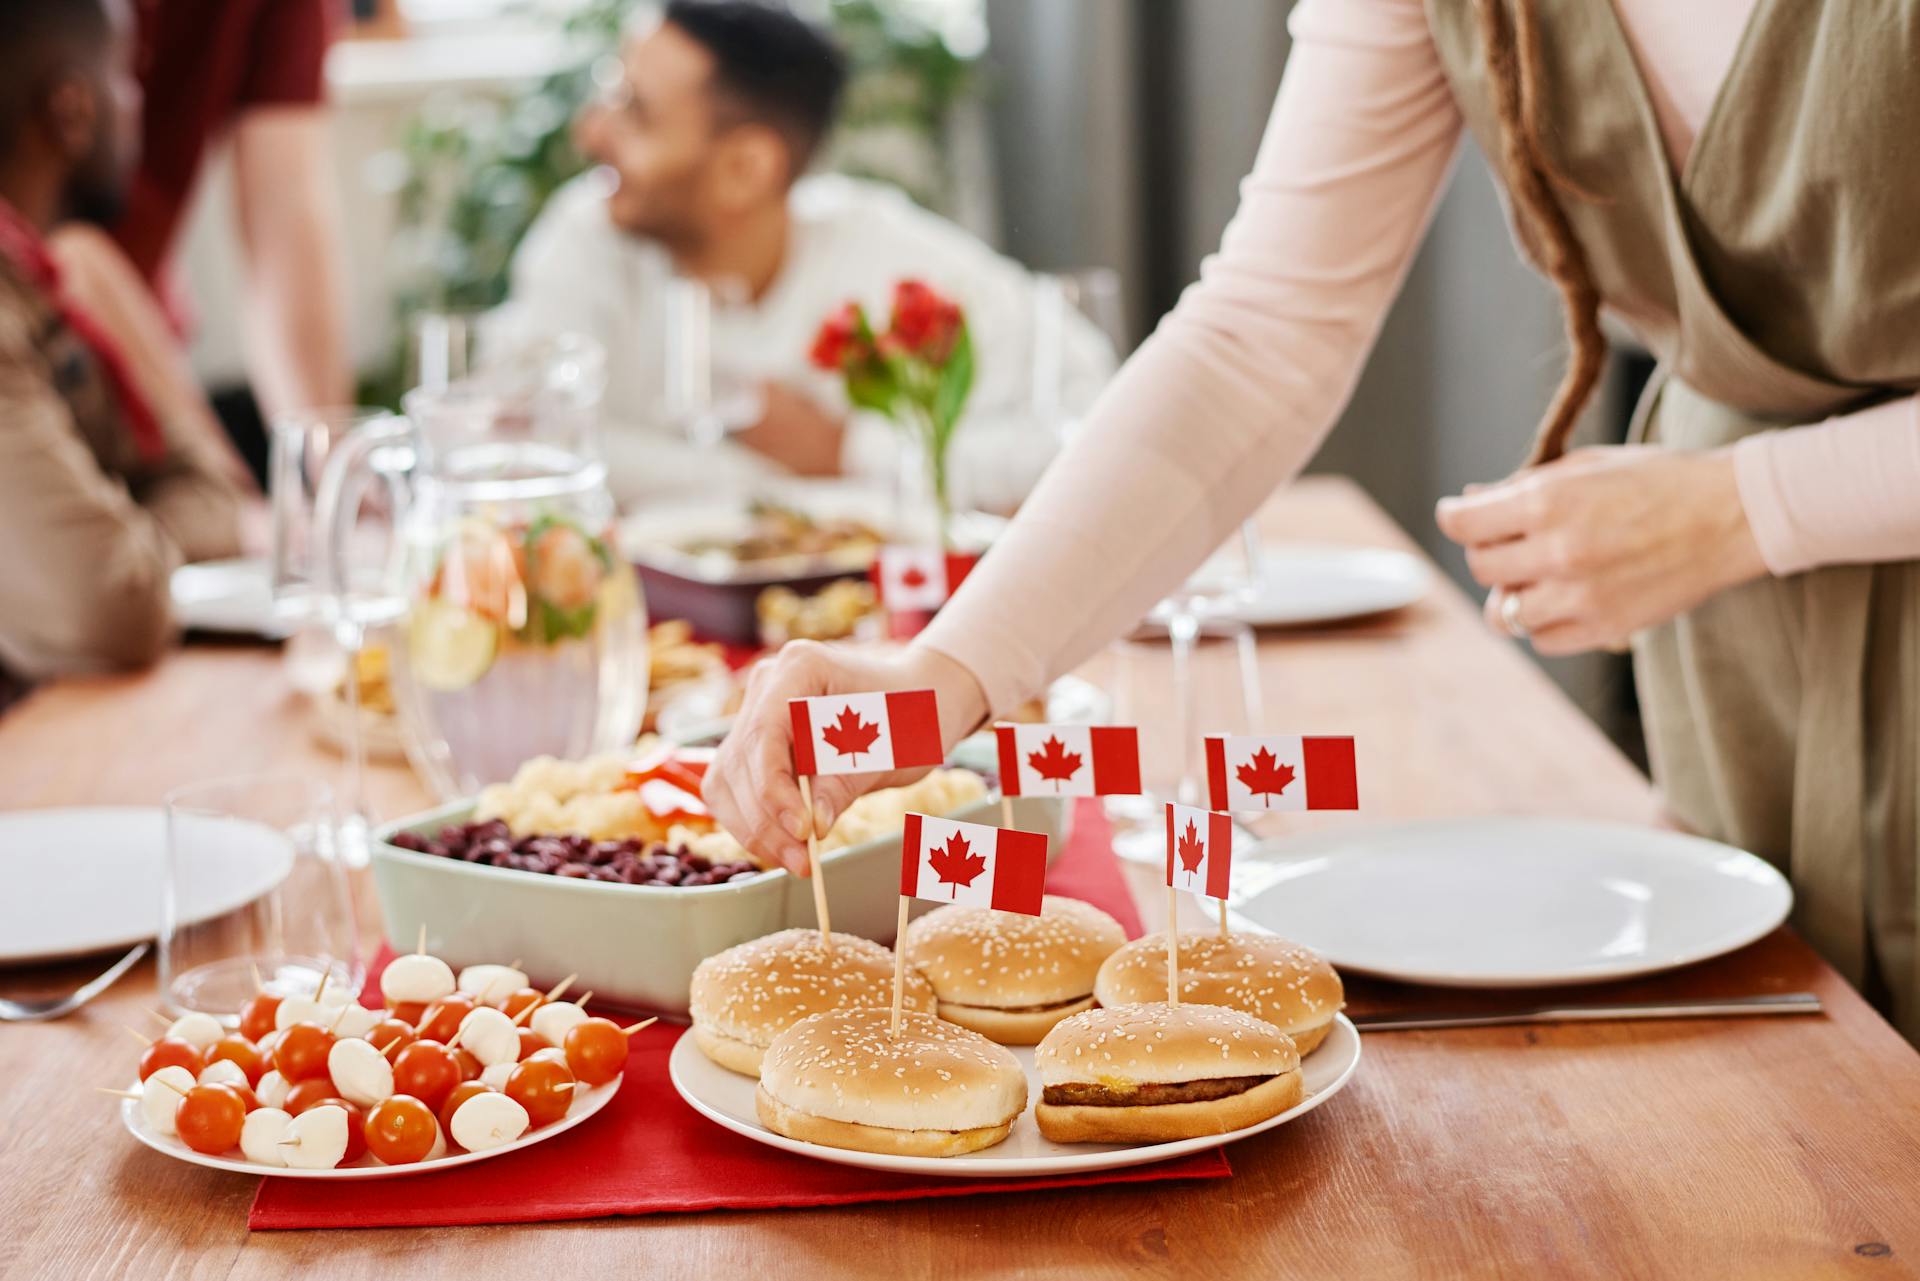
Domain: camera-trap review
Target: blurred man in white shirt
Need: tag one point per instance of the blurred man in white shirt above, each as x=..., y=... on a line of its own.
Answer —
x=720, y=110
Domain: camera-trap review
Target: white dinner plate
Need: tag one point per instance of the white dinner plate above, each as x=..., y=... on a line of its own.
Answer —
x=1509, y=902
x=1306, y=583
x=86, y=880
x=232, y=597
x=726, y=1098
x=366, y=1167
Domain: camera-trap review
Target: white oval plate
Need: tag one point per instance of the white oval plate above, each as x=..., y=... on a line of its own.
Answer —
x=86, y=880
x=1509, y=902
x=366, y=1168
x=1305, y=583
x=231, y=597
x=726, y=1098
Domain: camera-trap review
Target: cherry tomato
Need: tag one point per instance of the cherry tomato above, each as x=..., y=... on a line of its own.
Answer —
x=427, y=1070
x=461, y=1093
x=520, y=999
x=443, y=1018
x=531, y=1043
x=409, y=1012
x=170, y=1051
x=209, y=1119
x=596, y=1051
x=356, y=1129
x=544, y=1089
x=242, y=1092
x=387, y=1031
x=307, y=1093
x=240, y=1052
x=401, y=1130
x=256, y=1016
x=302, y=1052
x=470, y=1067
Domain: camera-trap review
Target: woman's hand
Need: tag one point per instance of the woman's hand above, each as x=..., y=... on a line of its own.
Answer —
x=751, y=788
x=1604, y=542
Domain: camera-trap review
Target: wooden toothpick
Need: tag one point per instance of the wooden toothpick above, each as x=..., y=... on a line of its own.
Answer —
x=1173, y=947
x=813, y=864
x=420, y=948
x=1223, y=919
x=138, y=1035
x=899, y=967
x=641, y=1026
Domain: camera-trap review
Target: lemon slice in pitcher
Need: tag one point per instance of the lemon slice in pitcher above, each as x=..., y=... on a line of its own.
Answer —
x=450, y=647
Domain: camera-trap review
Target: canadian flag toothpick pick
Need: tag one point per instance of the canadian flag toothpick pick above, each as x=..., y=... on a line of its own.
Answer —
x=919, y=578
x=1069, y=760
x=865, y=733
x=946, y=861
x=1280, y=772
x=1199, y=850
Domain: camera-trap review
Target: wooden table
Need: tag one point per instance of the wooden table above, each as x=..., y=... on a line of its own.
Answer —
x=1786, y=1147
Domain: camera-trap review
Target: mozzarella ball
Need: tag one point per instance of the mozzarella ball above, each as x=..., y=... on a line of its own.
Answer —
x=488, y=1121
x=260, y=1136
x=491, y=984
x=223, y=1072
x=272, y=1090
x=360, y=1073
x=316, y=1139
x=197, y=1030
x=439, y=1148
x=490, y=1036
x=552, y=1022
x=300, y=1009
x=354, y=1021
x=495, y=1077
x=159, y=1103
x=416, y=978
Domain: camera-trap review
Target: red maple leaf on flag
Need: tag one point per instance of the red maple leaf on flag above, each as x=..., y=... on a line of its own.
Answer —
x=1191, y=848
x=955, y=864
x=1265, y=776
x=849, y=735
x=913, y=576
x=1053, y=761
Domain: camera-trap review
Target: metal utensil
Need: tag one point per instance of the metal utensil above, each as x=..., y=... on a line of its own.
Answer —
x=40, y=1010
x=1783, y=1003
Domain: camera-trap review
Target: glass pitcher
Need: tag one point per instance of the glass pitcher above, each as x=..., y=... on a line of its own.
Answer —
x=522, y=631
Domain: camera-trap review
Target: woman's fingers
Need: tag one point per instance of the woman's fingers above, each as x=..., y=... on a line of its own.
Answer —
x=1491, y=515
x=1514, y=562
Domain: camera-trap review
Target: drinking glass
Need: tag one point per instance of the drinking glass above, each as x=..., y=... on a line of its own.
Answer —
x=698, y=396
x=255, y=895
x=331, y=629
x=1091, y=295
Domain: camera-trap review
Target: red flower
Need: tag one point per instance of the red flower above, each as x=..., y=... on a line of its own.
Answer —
x=838, y=341
x=925, y=320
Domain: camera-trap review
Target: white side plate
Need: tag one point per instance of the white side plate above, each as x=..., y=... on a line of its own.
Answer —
x=1305, y=583
x=1509, y=902
x=726, y=1098
x=86, y=880
x=232, y=597
x=366, y=1167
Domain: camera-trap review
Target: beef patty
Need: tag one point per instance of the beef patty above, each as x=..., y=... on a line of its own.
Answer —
x=1075, y=1094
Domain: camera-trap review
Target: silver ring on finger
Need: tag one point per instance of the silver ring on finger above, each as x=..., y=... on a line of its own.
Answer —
x=1510, y=616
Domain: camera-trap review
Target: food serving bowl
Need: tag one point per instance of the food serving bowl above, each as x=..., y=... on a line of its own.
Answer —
x=636, y=945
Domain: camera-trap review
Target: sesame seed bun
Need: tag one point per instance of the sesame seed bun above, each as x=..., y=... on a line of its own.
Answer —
x=842, y=1080
x=1010, y=976
x=745, y=996
x=1287, y=985
x=1165, y=1049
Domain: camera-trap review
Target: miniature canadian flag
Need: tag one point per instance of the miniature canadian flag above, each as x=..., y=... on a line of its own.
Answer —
x=919, y=578
x=973, y=863
x=1280, y=772
x=865, y=733
x=1199, y=850
x=1069, y=760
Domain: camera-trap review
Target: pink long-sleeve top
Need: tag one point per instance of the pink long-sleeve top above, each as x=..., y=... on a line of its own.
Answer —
x=1240, y=383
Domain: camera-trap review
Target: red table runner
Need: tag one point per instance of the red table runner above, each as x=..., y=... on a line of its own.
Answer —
x=650, y=1153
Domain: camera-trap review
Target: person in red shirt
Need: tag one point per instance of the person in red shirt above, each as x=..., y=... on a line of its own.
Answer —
x=254, y=71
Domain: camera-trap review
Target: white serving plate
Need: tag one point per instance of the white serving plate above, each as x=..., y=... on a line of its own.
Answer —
x=87, y=880
x=584, y=1106
x=1305, y=583
x=1509, y=902
x=726, y=1098
x=233, y=597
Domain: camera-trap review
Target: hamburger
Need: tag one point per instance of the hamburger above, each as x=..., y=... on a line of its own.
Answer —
x=841, y=1080
x=745, y=996
x=1010, y=976
x=1155, y=1072
x=1285, y=984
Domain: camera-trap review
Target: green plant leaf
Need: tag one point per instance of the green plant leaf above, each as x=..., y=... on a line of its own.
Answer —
x=954, y=386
